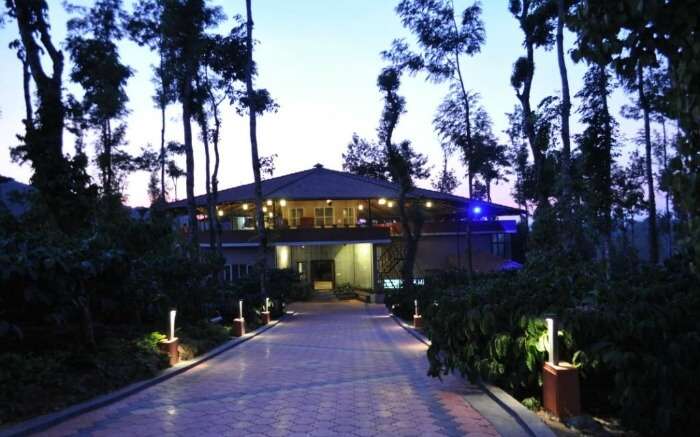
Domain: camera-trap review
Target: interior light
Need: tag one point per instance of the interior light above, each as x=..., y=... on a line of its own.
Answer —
x=283, y=202
x=245, y=207
x=429, y=204
x=390, y=204
x=382, y=201
x=360, y=207
x=264, y=208
x=271, y=214
x=221, y=213
x=329, y=201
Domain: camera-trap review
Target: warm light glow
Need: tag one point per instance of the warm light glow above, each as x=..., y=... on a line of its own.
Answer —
x=390, y=204
x=269, y=202
x=360, y=207
x=264, y=208
x=245, y=207
x=172, y=324
x=429, y=204
x=283, y=202
x=382, y=201
x=221, y=213
x=271, y=214
x=329, y=201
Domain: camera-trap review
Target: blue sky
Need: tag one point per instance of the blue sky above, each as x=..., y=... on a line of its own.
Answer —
x=319, y=59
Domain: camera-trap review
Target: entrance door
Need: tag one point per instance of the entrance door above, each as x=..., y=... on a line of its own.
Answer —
x=323, y=274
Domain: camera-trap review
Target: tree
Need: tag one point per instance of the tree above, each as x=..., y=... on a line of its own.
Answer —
x=146, y=27
x=562, y=15
x=446, y=181
x=402, y=170
x=365, y=158
x=442, y=42
x=267, y=166
x=98, y=69
x=518, y=155
x=597, y=143
x=534, y=18
x=63, y=184
x=184, y=23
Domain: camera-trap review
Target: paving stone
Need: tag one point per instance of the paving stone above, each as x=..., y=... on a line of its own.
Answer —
x=333, y=369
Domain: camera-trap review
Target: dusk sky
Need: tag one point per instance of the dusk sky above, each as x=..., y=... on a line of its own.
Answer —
x=319, y=60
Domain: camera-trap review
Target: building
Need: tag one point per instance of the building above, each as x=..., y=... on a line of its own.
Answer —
x=337, y=228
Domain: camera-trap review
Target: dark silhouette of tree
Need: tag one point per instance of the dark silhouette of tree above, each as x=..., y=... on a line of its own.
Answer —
x=443, y=41
x=518, y=155
x=446, y=181
x=365, y=158
x=63, y=184
x=145, y=27
x=97, y=67
x=534, y=18
x=402, y=170
x=563, y=8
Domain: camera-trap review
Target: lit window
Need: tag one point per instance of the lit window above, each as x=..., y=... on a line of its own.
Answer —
x=295, y=215
x=349, y=216
x=323, y=216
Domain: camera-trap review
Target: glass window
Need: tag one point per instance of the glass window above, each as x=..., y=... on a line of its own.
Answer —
x=295, y=215
x=323, y=216
x=349, y=216
x=498, y=245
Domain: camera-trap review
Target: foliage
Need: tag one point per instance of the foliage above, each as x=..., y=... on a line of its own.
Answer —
x=635, y=338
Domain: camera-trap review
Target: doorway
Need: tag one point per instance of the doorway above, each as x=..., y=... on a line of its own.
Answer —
x=323, y=274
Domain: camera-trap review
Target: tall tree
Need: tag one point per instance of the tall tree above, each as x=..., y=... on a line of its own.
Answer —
x=184, y=25
x=446, y=181
x=534, y=19
x=97, y=67
x=401, y=170
x=443, y=41
x=62, y=183
x=562, y=16
x=146, y=27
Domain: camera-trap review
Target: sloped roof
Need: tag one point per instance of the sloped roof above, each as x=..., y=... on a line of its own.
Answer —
x=322, y=183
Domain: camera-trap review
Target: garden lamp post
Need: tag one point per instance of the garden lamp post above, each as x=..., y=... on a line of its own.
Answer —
x=239, y=323
x=552, y=344
x=170, y=346
x=560, y=382
x=417, y=318
x=265, y=315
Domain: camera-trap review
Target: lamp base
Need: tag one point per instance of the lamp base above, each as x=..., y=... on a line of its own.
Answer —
x=170, y=347
x=238, y=327
x=417, y=321
x=265, y=317
x=560, y=390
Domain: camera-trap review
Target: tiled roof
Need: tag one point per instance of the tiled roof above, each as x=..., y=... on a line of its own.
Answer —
x=322, y=183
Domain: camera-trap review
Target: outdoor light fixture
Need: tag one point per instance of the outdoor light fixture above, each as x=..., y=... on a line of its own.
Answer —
x=390, y=204
x=360, y=207
x=271, y=214
x=328, y=201
x=245, y=207
x=476, y=210
x=552, y=346
x=283, y=202
x=264, y=208
x=269, y=202
x=221, y=213
x=382, y=201
x=429, y=204
x=415, y=303
x=267, y=304
x=172, y=324
x=240, y=309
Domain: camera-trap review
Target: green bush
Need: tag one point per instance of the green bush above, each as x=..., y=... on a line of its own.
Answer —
x=199, y=338
x=635, y=338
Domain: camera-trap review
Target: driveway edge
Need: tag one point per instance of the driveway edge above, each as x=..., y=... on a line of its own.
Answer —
x=497, y=406
x=46, y=421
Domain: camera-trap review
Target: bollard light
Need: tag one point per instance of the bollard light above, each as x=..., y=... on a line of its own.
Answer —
x=267, y=304
x=552, y=344
x=415, y=303
x=173, y=313
x=240, y=309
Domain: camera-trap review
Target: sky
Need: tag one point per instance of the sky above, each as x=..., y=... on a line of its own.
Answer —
x=319, y=60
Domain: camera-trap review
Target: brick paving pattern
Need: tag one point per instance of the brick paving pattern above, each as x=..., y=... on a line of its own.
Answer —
x=334, y=369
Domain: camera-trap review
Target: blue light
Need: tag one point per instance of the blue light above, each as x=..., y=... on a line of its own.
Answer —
x=477, y=210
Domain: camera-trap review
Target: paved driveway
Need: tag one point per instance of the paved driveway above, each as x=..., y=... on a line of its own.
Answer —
x=332, y=369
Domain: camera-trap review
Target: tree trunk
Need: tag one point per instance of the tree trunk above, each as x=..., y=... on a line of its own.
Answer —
x=565, y=112
x=607, y=183
x=211, y=210
x=411, y=239
x=260, y=219
x=26, y=87
x=215, y=174
x=189, y=164
x=87, y=330
x=651, y=203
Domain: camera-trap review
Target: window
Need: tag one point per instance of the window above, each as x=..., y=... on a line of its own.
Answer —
x=295, y=215
x=227, y=273
x=323, y=216
x=233, y=272
x=498, y=245
x=349, y=216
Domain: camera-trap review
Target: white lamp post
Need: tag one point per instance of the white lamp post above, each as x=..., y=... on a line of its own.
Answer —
x=552, y=345
x=415, y=304
x=173, y=313
x=240, y=309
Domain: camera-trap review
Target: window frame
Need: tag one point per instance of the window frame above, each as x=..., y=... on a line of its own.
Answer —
x=324, y=217
x=294, y=219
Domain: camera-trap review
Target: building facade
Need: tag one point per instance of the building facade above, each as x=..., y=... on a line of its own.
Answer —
x=337, y=229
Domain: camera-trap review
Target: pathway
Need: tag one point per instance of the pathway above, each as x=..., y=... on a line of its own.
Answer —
x=332, y=369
